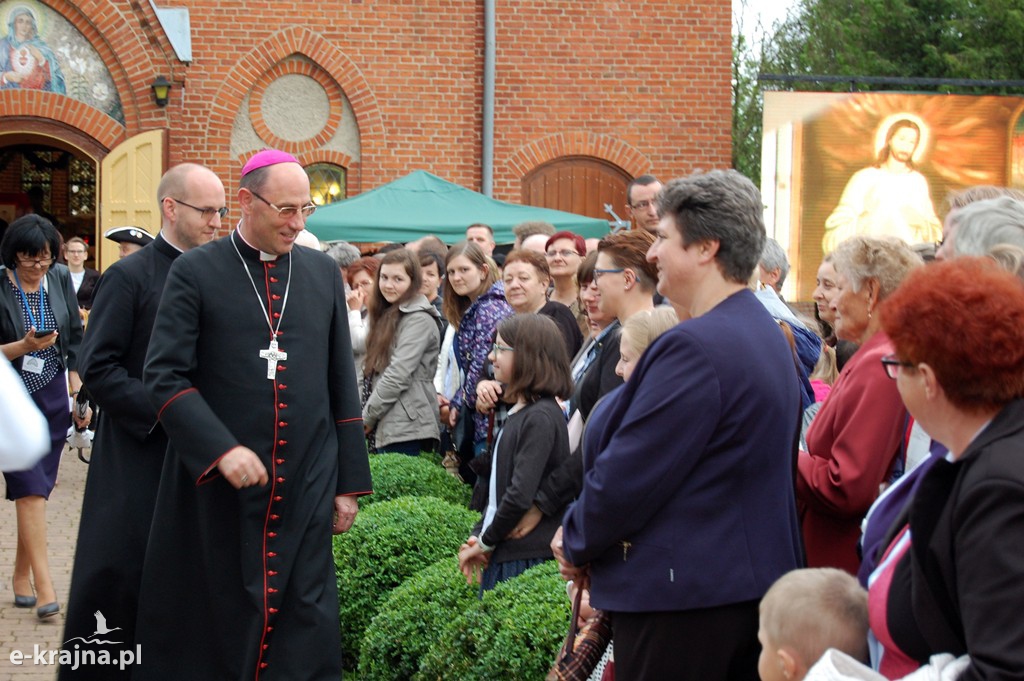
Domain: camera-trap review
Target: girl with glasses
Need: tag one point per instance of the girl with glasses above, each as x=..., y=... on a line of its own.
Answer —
x=531, y=362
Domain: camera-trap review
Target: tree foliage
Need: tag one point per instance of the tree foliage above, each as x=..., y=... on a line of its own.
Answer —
x=937, y=39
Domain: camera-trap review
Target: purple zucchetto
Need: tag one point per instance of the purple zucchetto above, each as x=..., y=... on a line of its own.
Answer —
x=267, y=157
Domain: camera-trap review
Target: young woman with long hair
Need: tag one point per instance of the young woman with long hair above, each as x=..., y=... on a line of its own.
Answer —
x=474, y=303
x=400, y=412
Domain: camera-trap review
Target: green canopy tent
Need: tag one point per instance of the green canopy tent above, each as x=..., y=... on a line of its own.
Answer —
x=421, y=203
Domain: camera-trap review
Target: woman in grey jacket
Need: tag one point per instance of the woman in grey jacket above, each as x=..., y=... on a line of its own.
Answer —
x=400, y=412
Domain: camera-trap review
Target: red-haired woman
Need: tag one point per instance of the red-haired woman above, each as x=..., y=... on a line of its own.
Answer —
x=952, y=579
x=565, y=252
x=362, y=278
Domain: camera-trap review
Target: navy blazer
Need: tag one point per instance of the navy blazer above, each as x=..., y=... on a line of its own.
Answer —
x=688, y=496
x=60, y=295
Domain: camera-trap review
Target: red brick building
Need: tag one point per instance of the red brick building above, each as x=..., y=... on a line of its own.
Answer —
x=586, y=96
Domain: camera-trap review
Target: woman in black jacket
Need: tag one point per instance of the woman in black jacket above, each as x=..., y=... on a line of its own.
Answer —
x=40, y=333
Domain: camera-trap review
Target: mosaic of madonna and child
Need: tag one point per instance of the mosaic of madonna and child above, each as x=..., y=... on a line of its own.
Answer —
x=41, y=50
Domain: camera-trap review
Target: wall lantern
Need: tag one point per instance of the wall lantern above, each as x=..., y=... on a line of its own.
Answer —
x=161, y=90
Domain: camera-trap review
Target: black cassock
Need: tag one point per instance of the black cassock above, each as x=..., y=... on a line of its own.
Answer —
x=239, y=584
x=127, y=453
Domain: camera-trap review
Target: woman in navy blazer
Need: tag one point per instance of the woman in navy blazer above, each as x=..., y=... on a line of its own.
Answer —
x=687, y=513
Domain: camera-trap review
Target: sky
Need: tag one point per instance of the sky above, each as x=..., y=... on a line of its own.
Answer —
x=767, y=10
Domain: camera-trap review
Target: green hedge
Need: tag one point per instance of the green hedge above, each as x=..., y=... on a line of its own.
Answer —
x=411, y=618
x=389, y=542
x=514, y=633
x=398, y=475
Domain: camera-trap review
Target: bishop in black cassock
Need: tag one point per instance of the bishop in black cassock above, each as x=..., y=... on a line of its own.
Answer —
x=239, y=579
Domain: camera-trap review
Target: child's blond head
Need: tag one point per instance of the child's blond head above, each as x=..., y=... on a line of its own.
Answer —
x=811, y=610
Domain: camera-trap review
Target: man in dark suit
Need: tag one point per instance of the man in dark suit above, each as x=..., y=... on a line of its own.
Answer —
x=129, y=447
x=687, y=513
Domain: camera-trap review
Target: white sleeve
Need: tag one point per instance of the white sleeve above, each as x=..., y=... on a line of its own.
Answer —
x=24, y=432
x=357, y=329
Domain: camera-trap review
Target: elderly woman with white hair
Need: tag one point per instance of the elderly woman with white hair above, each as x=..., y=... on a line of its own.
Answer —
x=855, y=440
x=983, y=225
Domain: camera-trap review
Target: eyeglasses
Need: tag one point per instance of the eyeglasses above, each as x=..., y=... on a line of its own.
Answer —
x=564, y=255
x=208, y=213
x=612, y=270
x=76, y=252
x=892, y=365
x=498, y=347
x=36, y=262
x=644, y=205
x=288, y=212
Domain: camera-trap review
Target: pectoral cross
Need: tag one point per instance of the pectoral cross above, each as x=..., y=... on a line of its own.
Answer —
x=273, y=356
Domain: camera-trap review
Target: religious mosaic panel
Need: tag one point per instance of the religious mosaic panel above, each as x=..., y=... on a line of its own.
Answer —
x=41, y=50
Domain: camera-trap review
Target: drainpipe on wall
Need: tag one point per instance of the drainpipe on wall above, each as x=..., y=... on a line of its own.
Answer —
x=487, y=152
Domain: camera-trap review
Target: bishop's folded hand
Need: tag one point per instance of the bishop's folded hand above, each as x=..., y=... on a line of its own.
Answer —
x=241, y=467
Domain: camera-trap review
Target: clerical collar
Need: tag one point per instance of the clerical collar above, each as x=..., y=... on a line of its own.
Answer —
x=264, y=256
x=170, y=243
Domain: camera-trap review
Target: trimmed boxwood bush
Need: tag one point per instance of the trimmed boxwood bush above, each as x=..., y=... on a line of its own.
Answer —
x=513, y=633
x=390, y=541
x=398, y=475
x=411, y=618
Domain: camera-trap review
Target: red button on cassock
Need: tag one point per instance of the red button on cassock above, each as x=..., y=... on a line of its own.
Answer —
x=280, y=479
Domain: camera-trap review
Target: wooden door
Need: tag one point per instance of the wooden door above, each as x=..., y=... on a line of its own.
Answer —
x=578, y=184
x=129, y=176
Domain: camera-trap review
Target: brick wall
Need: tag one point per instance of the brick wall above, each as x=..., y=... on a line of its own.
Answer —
x=643, y=84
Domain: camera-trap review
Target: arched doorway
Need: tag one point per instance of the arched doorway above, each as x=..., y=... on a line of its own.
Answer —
x=51, y=169
x=578, y=184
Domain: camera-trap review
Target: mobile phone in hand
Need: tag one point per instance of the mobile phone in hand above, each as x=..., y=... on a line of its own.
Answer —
x=43, y=333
